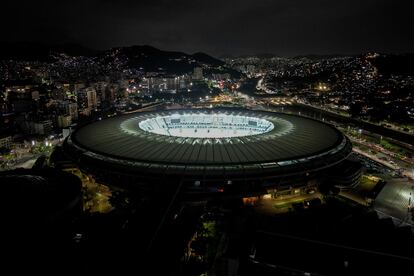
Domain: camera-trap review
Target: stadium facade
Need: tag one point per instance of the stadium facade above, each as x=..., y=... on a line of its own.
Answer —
x=209, y=150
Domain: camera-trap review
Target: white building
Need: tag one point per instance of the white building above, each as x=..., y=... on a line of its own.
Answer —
x=198, y=73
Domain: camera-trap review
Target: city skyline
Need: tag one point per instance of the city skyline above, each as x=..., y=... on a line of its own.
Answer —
x=189, y=138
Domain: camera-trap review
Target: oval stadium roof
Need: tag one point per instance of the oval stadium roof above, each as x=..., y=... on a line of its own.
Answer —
x=293, y=140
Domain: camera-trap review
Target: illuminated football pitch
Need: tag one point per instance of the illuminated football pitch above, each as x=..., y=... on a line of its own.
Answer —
x=206, y=125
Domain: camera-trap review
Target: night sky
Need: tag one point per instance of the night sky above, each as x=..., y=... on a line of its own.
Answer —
x=217, y=27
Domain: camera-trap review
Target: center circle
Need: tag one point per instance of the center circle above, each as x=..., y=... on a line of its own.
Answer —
x=195, y=125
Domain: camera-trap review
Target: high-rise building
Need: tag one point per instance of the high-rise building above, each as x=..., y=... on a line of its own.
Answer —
x=92, y=99
x=100, y=88
x=87, y=101
x=43, y=127
x=198, y=73
x=68, y=108
x=72, y=110
x=220, y=77
x=163, y=84
x=78, y=87
x=20, y=100
x=82, y=100
x=64, y=121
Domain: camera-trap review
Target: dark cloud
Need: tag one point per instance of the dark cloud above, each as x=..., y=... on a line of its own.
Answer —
x=285, y=27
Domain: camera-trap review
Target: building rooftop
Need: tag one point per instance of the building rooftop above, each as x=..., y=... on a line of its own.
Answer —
x=274, y=140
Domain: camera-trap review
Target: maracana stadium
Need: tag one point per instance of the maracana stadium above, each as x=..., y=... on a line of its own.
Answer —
x=209, y=150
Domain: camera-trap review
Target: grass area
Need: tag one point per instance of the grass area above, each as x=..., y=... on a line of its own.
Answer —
x=387, y=145
x=96, y=196
x=383, y=143
x=286, y=204
x=282, y=205
x=368, y=182
x=204, y=247
x=367, y=185
x=362, y=147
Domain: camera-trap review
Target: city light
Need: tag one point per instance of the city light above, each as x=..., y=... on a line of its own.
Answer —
x=206, y=137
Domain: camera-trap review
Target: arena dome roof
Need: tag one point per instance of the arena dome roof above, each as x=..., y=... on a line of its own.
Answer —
x=211, y=139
